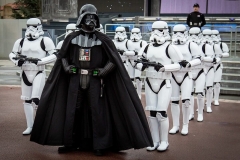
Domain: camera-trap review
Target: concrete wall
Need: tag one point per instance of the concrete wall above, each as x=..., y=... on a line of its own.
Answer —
x=11, y=30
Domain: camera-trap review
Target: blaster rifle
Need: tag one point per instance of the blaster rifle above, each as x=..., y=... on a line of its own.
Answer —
x=146, y=62
x=120, y=51
x=25, y=58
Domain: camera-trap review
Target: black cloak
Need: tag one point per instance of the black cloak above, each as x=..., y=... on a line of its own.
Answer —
x=53, y=125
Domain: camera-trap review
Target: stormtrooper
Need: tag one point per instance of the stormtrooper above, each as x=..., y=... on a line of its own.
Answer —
x=121, y=43
x=182, y=79
x=31, y=54
x=208, y=61
x=69, y=29
x=198, y=77
x=135, y=45
x=221, y=51
x=158, y=58
x=100, y=29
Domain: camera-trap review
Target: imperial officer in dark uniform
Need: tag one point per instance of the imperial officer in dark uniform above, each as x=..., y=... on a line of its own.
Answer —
x=196, y=19
x=89, y=101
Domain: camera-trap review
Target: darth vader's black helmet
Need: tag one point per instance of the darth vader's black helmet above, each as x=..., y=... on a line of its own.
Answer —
x=88, y=14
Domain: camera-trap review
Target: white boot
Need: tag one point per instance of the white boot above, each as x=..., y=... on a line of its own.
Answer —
x=163, y=127
x=175, y=110
x=154, y=128
x=200, y=102
x=28, y=109
x=34, y=109
x=191, y=115
x=139, y=87
x=216, y=93
x=209, y=97
x=185, y=112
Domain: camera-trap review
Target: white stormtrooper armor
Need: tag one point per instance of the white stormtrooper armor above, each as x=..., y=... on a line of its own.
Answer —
x=134, y=47
x=198, y=77
x=69, y=29
x=221, y=51
x=34, y=45
x=182, y=79
x=100, y=29
x=120, y=41
x=161, y=59
x=209, y=60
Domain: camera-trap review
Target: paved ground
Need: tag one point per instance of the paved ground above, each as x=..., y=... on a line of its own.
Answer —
x=215, y=138
x=8, y=73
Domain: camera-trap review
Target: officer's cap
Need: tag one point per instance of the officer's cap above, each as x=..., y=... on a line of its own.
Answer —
x=196, y=5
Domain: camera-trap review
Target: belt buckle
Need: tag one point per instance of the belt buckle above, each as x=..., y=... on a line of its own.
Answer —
x=83, y=71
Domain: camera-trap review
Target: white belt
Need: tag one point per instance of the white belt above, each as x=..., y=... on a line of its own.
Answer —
x=132, y=57
x=197, y=67
x=208, y=64
x=32, y=67
x=158, y=75
x=184, y=69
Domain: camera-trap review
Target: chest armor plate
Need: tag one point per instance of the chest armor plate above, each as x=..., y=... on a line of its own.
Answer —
x=185, y=52
x=121, y=45
x=217, y=49
x=158, y=54
x=208, y=50
x=134, y=46
x=33, y=48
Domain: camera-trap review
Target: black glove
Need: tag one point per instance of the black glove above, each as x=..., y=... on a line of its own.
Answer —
x=20, y=62
x=158, y=66
x=121, y=52
x=144, y=67
x=35, y=61
x=183, y=63
x=214, y=61
x=70, y=69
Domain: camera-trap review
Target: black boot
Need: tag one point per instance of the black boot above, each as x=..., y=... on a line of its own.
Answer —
x=66, y=149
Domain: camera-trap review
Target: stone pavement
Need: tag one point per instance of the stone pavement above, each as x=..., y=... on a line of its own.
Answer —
x=217, y=137
x=8, y=73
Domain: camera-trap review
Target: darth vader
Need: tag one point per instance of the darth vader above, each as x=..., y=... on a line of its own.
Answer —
x=89, y=101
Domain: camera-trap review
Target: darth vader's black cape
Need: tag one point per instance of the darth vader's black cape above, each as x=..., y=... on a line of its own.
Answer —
x=128, y=119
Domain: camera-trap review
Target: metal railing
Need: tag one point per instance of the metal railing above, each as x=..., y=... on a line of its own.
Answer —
x=237, y=39
x=57, y=39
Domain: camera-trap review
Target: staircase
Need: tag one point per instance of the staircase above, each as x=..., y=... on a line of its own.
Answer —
x=230, y=83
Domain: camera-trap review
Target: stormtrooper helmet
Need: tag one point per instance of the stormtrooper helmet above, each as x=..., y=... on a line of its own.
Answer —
x=88, y=19
x=216, y=36
x=100, y=29
x=207, y=33
x=180, y=34
x=135, y=35
x=70, y=28
x=159, y=33
x=34, y=29
x=195, y=35
x=120, y=34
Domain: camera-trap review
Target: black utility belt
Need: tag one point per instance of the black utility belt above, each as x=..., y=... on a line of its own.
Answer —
x=90, y=72
x=197, y=24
